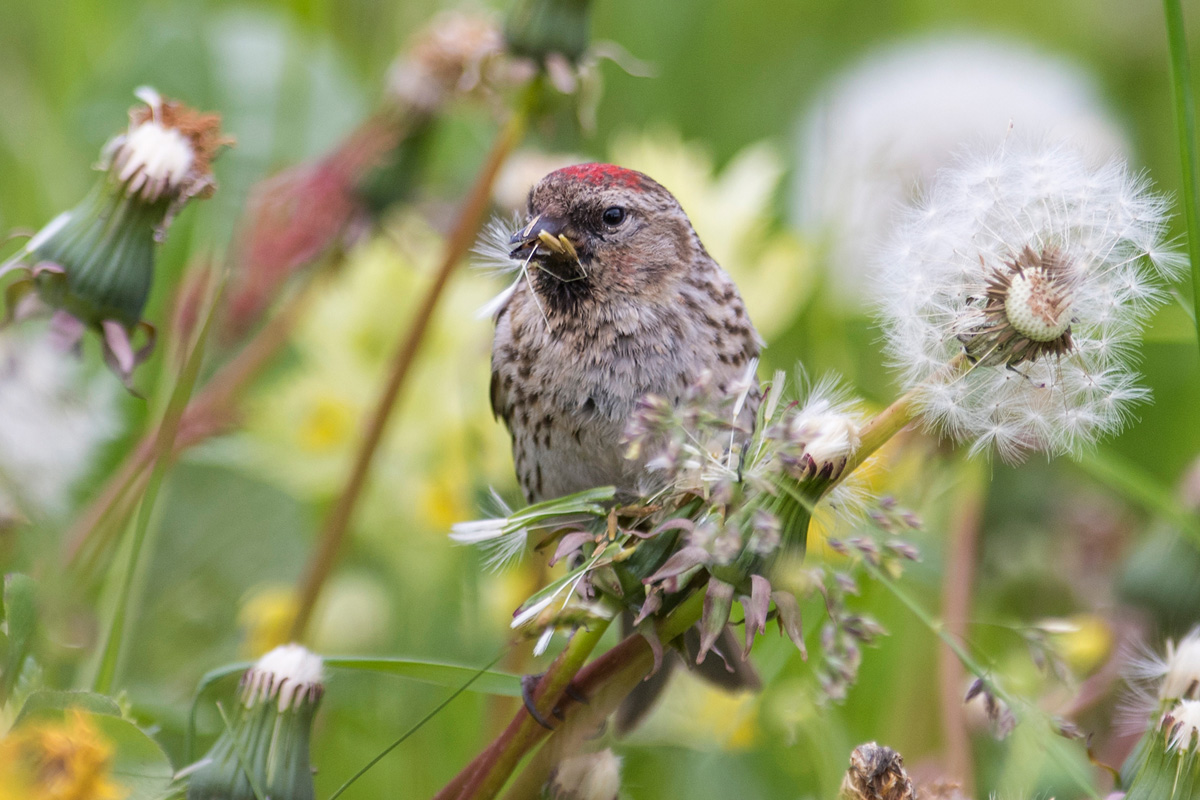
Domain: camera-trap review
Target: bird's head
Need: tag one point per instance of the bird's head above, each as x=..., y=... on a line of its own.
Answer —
x=599, y=231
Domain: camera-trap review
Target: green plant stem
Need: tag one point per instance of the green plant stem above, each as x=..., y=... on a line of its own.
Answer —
x=492, y=771
x=163, y=448
x=462, y=236
x=1185, y=124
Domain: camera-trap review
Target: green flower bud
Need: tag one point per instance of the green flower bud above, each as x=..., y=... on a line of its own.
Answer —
x=539, y=29
x=96, y=261
x=265, y=750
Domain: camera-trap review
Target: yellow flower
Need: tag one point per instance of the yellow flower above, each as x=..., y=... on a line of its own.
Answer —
x=266, y=618
x=696, y=714
x=66, y=760
x=1084, y=641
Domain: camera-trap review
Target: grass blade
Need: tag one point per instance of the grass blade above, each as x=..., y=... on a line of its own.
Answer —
x=164, y=444
x=1185, y=124
x=420, y=723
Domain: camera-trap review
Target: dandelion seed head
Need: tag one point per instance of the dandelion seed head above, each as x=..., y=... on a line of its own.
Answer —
x=167, y=150
x=1045, y=290
x=885, y=127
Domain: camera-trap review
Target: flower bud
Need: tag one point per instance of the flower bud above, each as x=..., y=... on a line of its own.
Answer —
x=542, y=29
x=265, y=749
x=96, y=261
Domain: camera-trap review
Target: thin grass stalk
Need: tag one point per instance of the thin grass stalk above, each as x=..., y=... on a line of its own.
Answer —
x=1185, y=125
x=205, y=416
x=462, y=237
x=1020, y=709
x=110, y=652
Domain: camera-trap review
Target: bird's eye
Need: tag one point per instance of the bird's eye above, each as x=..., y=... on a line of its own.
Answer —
x=613, y=216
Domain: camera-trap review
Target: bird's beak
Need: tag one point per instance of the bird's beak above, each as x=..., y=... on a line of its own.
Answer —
x=545, y=233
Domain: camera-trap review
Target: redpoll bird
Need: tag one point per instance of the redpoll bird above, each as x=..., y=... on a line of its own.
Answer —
x=619, y=300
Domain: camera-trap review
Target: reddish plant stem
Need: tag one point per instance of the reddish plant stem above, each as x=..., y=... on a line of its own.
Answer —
x=957, y=582
x=462, y=236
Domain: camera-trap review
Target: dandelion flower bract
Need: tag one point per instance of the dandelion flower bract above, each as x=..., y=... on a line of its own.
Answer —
x=1040, y=270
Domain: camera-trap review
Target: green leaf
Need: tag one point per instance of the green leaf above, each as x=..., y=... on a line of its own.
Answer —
x=51, y=703
x=493, y=682
x=20, y=617
x=1185, y=127
x=206, y=681
x=139, y=764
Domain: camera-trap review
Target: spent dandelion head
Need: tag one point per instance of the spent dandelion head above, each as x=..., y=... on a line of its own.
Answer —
x=264, y=750
x=1039, y=270
x=94, y=264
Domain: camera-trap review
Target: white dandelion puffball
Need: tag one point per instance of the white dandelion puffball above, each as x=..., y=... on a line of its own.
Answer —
x=53, y=419
x=883, y=128
x=1034, y=272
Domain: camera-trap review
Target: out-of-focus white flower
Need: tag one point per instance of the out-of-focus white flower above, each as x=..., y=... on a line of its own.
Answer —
x=587, y=776
x=883, y=128
x=520, y=172
x=53, y=417
x=1041, y=270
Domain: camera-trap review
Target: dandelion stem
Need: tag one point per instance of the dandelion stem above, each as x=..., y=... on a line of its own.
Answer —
x=110, y=651
x=1185, y=124
x=956, y=604
x=462, y=236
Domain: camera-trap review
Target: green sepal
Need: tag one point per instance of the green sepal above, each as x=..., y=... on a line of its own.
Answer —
x=104, y=255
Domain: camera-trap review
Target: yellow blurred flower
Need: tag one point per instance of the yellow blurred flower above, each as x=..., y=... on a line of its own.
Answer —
x=693, y=713
x=266, y=618
x=67, y=760
x=442, y=445
x=1084, y=641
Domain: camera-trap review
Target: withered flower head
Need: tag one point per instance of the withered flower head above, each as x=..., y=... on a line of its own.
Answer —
x=95, y=263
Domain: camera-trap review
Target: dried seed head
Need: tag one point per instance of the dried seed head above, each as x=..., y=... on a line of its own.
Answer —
x=167, y=151
x=289, y=672
x=1026, y=310
x=1182, y=725
x=1181, y=678
x=876, y=773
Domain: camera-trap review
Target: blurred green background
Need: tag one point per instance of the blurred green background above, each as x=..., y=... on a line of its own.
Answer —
x=292, y=78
